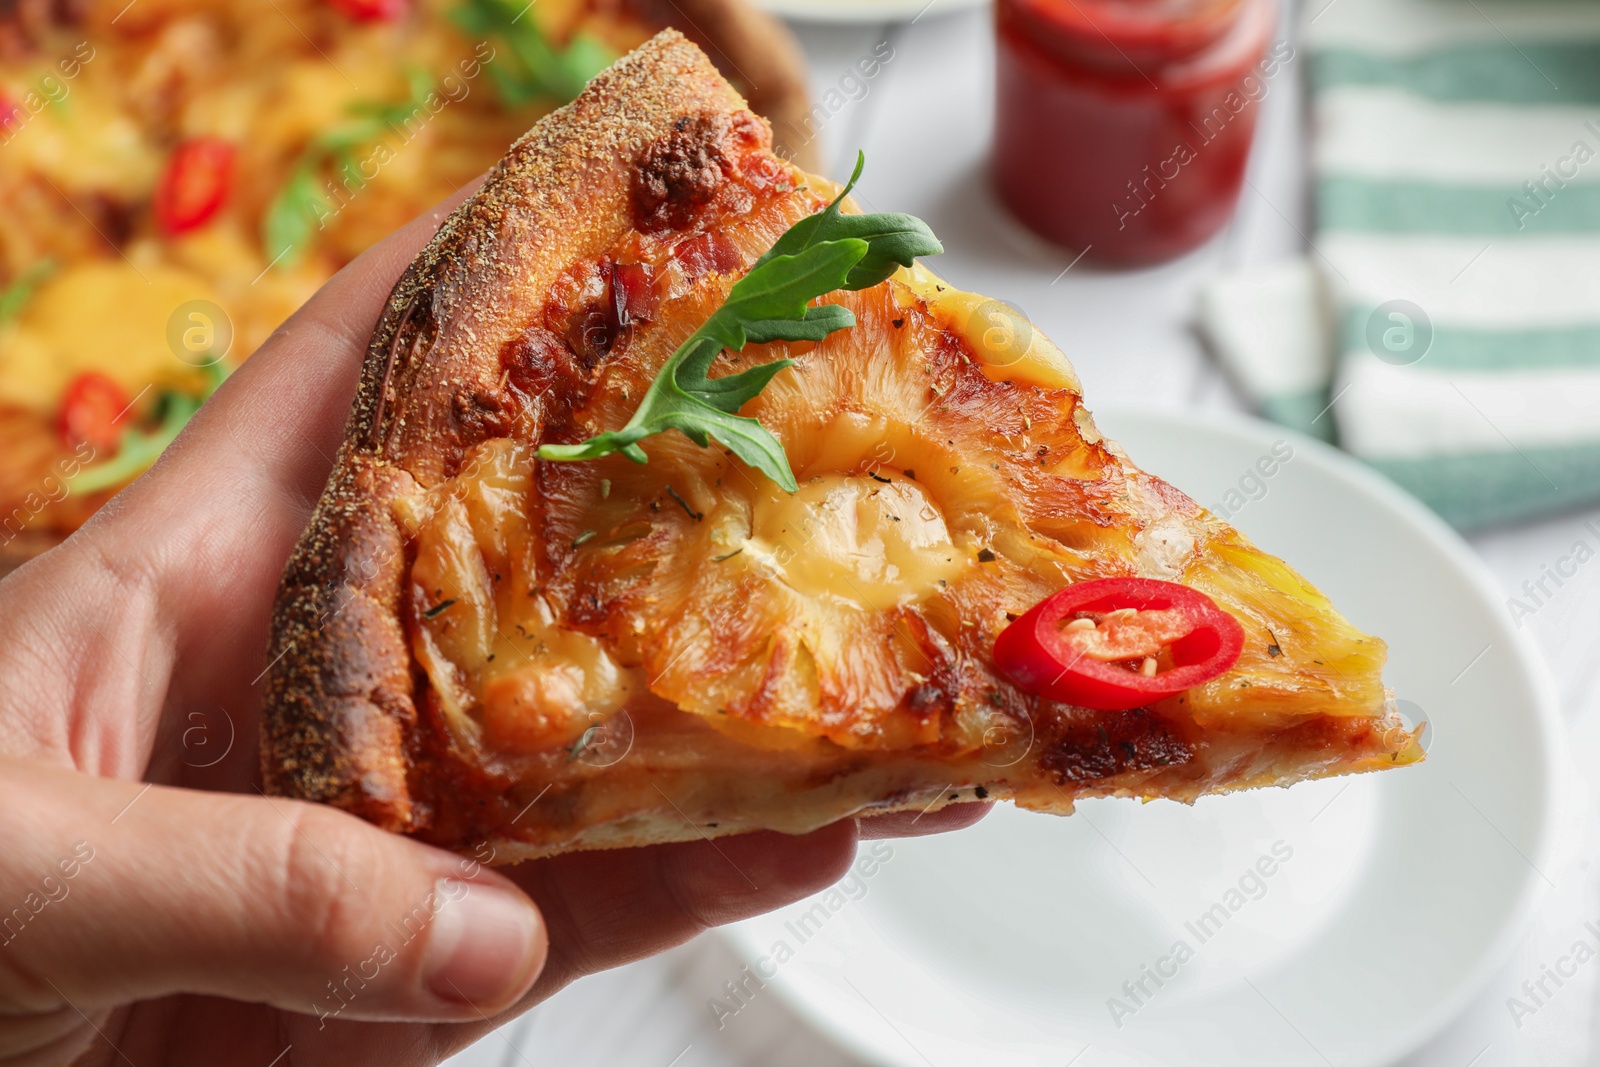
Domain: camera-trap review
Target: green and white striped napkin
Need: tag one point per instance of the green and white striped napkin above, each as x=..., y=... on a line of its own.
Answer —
x=1456, y=167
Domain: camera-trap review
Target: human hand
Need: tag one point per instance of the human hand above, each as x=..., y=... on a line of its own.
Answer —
x=154, y=907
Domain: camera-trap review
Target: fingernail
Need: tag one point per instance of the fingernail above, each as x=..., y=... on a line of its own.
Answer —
x=482, y=947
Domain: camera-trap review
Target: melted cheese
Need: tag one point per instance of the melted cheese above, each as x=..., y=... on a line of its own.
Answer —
x=854, y=540
x=1009, y=347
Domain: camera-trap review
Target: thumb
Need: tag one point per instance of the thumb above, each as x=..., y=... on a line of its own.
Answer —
x=119, y=892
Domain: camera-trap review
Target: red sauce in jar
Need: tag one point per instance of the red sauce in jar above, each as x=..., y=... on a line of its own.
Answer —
x=1123, y=126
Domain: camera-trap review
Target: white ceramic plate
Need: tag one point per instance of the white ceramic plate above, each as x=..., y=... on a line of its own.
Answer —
x=864, y=10
x=1389, y=897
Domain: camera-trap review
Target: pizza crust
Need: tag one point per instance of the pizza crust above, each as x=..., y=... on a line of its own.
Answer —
x=758, y=55
x=1233, y=763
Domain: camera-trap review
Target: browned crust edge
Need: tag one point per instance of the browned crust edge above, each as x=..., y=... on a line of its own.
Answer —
x=338, y=703
x=1238, y=762
x=759, y=55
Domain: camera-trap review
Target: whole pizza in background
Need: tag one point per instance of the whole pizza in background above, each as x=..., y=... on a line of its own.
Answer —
x=178, y=176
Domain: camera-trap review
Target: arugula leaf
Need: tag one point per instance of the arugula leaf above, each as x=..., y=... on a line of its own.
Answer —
x=535, y=67
x=14, y=297
x=896, y=239
x=586, y=56
x=296, y=213
x=773, y=297
x=818, y=255
x=513, y=91
x=139, y=449
x=291, y=217
x=419, y=85
x=818, y=323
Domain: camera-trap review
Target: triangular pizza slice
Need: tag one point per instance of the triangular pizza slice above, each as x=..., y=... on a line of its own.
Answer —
x=645, y=530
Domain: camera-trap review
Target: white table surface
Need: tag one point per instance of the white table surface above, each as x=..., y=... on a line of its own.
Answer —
x=925, y=122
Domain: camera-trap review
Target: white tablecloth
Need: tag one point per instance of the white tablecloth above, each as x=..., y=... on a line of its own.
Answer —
x=924, y=121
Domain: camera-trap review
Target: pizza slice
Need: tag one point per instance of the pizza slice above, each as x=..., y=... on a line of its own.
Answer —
x=681, y=500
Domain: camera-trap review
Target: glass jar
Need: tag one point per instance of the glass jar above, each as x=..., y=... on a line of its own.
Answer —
x=1123, y=126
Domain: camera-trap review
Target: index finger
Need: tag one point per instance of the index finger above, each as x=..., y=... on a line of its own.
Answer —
x=277, y=422
x=208, y=529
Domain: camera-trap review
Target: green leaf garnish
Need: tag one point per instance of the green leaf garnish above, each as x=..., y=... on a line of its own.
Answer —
x=894, y=240
x=818, y=255
x=294, y=214
x=299, y=210
x=15, y=297
x=534, y=67
x=139, y=449
x=584, y=57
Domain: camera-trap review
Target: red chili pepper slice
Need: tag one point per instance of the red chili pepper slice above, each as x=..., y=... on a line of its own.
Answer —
x=195, y=185
x=89, y=411
x=372, y=10
x=1119, y=643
